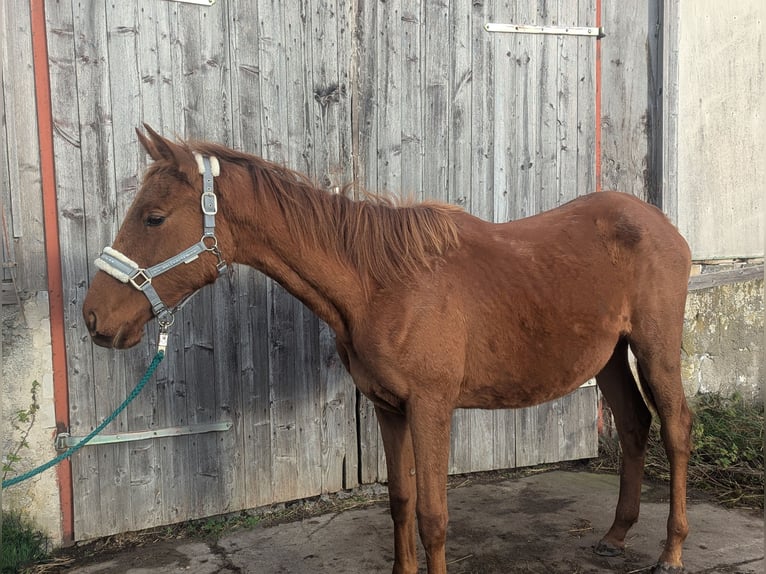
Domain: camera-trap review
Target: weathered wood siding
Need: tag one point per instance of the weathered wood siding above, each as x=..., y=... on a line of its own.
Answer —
x=20, y=189
x=408, y=97
x=265, y=77
x=631, y=112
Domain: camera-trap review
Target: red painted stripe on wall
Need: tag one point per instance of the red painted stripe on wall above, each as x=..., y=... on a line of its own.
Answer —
x=53, y=254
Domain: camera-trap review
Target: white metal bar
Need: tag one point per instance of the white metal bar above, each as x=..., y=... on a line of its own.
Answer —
x=64, y=441
x=594, y=31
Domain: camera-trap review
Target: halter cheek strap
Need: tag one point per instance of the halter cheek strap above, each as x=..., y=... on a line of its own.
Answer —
x=124, y=269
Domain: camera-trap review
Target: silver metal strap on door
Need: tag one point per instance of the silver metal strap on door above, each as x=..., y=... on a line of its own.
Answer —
x=593, y=31
x=65, y=440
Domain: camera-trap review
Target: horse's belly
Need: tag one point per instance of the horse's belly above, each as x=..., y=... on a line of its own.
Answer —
x=511, y=383
x=516, y=394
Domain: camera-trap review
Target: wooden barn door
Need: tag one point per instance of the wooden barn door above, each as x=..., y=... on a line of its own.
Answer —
x=251, y=405
x=501, y=124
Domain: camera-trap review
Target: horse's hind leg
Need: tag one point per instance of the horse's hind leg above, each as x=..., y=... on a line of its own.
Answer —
x=659, y=371
x=632, y=418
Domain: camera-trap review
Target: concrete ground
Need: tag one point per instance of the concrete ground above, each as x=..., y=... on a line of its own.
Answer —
x=544, y=523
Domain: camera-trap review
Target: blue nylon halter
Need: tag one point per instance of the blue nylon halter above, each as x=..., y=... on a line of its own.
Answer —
x=126, y=270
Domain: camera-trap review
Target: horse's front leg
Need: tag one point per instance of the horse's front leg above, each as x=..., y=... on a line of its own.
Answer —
x=400, y=463
x=430, y=427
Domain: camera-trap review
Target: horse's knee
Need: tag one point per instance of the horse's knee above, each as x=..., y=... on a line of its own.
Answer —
x=433, y=529
x=401, y=505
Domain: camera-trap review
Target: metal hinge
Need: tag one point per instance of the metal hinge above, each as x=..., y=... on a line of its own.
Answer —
x=64, y=440
x=594, y=31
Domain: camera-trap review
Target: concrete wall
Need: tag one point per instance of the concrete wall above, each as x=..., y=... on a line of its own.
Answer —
x=721, y=143
x=26, y=353
x=723, y=340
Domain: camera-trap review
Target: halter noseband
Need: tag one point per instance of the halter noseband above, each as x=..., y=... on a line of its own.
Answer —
x=126, y=270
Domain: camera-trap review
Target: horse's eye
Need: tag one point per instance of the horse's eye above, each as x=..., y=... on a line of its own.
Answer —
x=154, y=220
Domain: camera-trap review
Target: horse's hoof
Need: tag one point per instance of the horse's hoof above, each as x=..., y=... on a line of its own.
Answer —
x=604, y=548
x=665, y=568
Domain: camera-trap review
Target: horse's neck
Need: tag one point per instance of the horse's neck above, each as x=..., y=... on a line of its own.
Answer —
x=330, y=287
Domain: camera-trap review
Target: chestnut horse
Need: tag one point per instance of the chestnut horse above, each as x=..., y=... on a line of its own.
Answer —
x=432, y=308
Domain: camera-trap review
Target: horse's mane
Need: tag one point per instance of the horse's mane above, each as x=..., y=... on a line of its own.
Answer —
x=387, y=237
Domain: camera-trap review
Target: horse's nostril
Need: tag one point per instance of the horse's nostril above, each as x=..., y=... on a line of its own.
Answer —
x=91, y=322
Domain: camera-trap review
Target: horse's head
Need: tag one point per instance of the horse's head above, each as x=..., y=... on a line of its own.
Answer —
x=165, y=219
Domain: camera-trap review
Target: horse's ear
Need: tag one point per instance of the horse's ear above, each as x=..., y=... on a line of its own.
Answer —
x=160, y=148
x=148, y=144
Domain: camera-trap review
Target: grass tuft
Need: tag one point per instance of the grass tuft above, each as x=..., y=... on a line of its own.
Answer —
x=22, y=544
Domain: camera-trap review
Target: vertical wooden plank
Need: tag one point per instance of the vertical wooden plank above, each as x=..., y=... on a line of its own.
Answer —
x=411, y=100
x=283, y=391
x=627, y=72
x=365, y=96
x=22, y=193
x=586, y=101
x=505, y=160
x=670, y=41
x=537, y=434
x=390, y=101
x=460, y=97
x=257, y=431
x=437, y=104
x=369, y=468
x=567, y=156
x=5, y=141
x=483, y=103
x=460, y=442
x=528, y=111
x=547, y=119
x=577, y=438
x=504, y=442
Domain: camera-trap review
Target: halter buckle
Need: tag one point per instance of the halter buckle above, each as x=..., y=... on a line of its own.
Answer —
x=209, y=202
x=140, y=280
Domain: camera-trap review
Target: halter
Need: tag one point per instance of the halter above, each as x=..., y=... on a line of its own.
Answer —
x=126, y=270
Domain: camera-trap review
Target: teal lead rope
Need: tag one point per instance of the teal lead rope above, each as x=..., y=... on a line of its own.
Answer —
x=64, y=455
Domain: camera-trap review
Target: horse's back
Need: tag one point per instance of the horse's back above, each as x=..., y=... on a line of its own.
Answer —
x=600, y=234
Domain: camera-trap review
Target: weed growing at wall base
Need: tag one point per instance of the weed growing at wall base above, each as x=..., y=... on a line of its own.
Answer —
x=22, y=422
x=22, y=544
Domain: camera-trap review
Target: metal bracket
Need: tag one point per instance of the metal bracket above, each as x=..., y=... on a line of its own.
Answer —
x=64, y=440
x=200, y=2
x=596, y=32
x=588, y=383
